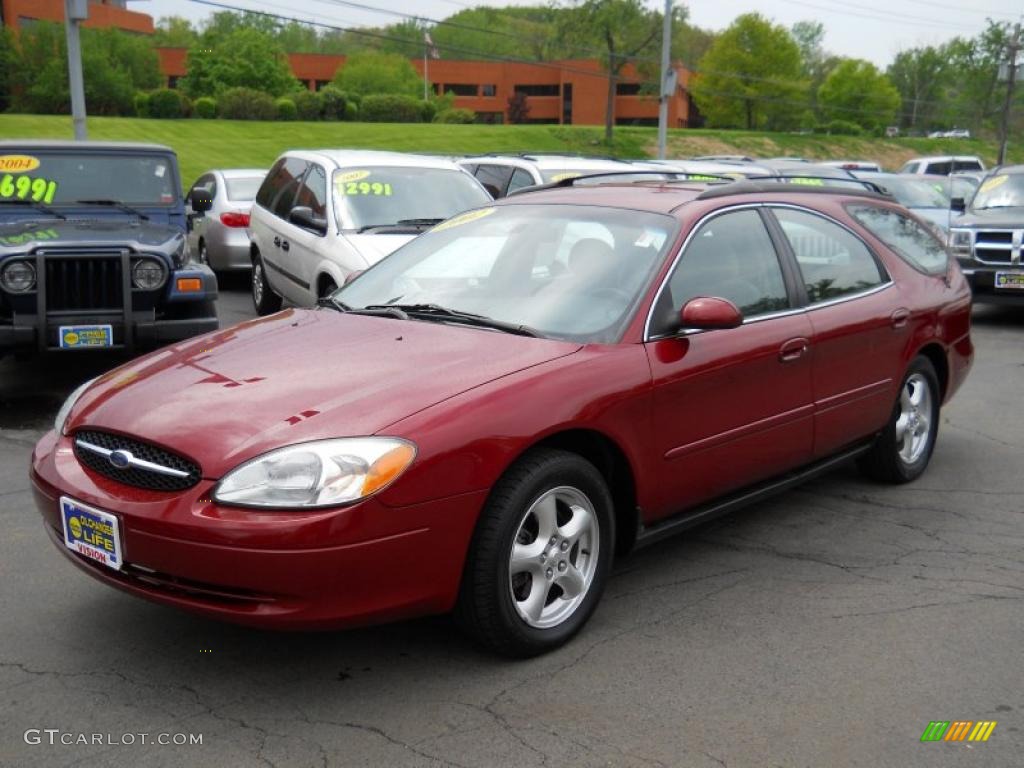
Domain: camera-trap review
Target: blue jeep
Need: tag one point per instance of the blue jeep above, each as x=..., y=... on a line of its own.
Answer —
x=92, y=249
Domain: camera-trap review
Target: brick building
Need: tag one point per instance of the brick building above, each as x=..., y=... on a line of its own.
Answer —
x=102, y=13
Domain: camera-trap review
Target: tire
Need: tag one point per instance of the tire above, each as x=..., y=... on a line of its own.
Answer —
x=327, y=287
x=547, y=496
x=899, y=457
x=264, y=299
x=204, y=256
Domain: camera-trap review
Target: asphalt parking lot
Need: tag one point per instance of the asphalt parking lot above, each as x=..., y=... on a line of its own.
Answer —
x=826, y=627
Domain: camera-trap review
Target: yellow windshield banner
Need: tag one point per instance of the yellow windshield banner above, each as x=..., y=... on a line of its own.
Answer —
x=996, y=181
x=18, y=163
x=463, y=218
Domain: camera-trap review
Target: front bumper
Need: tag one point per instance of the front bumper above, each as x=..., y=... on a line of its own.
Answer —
x=145, y=330
x=982, y=282
x=333, y=568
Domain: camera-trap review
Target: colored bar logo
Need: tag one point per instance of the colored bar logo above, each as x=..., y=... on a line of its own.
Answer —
x=958, y=730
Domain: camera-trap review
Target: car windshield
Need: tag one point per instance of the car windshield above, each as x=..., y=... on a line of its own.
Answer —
x=916, y=193
x=380, y=196
x=1002, y=191
x=54, y=178
x=243, y=188
x=565, y=271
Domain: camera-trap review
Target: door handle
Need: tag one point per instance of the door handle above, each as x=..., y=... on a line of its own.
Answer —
x=900, y=318
x=284, y=245
x=277, y=242
x=793, y=350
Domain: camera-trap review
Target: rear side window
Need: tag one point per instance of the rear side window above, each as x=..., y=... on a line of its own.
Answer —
x=520, y=179
x=313, y=192
x=906, y=237
x=496, y=176
x=942, y=168
x=833, y=262
x=967, y=165
x=282, y=182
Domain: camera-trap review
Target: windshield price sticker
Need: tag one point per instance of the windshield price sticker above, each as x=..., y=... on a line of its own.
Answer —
x=38, y=190
x=807, y=182
x=18, y=163
x=995, y=181
x=364, y=188
x=563, y=176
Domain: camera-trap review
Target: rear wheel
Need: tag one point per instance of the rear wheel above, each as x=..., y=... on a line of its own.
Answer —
x=264, y=299
x=540, y=556
x=327, y=287
x=902, y=452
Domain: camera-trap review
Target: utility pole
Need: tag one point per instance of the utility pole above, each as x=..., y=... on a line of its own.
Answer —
x=1011, y=81
x=666, y=91
x=75, y=12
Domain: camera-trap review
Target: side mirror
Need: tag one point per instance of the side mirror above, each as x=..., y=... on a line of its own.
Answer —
x=303, y=216
x=200, y=201
x=958, y=204
x=710, y=313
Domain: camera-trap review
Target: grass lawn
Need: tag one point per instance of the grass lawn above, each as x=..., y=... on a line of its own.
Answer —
x=205, y=144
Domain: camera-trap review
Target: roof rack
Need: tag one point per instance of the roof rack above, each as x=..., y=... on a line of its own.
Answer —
x=811, y=180
x=752, y=184
x=667, y=176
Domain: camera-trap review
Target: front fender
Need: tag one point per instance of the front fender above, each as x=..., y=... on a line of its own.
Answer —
x=182, y=288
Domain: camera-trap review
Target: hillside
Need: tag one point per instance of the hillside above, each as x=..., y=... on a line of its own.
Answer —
x=203, y=144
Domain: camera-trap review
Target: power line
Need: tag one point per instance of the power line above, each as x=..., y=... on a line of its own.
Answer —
x=875, y=15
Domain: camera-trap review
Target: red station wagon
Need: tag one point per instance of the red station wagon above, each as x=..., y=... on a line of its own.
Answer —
x=483, y=420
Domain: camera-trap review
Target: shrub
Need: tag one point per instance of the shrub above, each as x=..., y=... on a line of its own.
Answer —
x=166, y=103
x=333, y=101
x=309, y=105
x=456, y=116
x=391, y=108
x=841, y=128
x=286, y=109
x=247, y=104
x=205, y=108
x=142, y=104
x=351, y=111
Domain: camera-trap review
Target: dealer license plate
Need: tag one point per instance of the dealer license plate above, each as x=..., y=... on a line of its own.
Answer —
x=91, y=532
x=1010, y=280
x=78, y=336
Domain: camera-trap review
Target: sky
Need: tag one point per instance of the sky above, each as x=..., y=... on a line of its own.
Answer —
x=875, y=30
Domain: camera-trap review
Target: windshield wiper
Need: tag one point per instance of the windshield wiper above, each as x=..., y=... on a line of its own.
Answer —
x=467, y=318
x=115, y=204
x=37, y=206
x=417, y=224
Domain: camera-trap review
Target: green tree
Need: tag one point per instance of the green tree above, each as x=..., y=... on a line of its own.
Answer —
x=751, y=77
x=373, y=72
x=174, y=32
x=856, y=91
x=8, y=60
x=975, y=94
x=244, y=58
x=622, y=29
x=922, y=76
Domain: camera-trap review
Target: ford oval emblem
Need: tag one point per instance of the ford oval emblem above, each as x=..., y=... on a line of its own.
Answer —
x=121, y=459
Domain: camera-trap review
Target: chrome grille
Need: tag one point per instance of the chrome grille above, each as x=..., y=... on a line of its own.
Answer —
x=996, y=246
x=182, y=473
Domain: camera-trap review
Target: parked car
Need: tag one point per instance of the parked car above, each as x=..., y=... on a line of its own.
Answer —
x=217, y=206
x=486, y=418
x=987, y=238
x=504, y=174
x=943, y=165
x=321, y=216
x=92, y=249
x=695, y=169
x=927, y=196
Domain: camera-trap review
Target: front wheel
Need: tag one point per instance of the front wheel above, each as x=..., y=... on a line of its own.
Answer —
x=264, y=299
x=902, y=452
x=540, y=556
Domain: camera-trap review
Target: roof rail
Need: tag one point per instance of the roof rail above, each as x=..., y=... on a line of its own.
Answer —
x=668, y=176
x=811, y=180
x=772, y=184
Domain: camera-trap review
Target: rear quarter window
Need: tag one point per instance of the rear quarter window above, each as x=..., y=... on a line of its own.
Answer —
x=909, y=239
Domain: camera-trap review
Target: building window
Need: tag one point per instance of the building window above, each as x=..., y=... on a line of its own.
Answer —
x=461, y=89
x=320, y=84
x=172, y=81
x=541, y=120
x=627, y=89
x=490, y=118
x=488, y=90
x=644, y=121
x=537, y=90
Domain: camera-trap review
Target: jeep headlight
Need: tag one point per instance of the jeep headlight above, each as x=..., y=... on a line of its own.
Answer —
x=18, y=276
x=148, y=274
x=324, y=473
x=62, y=415
x=960, y=241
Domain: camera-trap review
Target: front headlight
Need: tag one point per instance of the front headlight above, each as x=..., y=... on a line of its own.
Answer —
x=960, y=240
x=62, y=414
x=148, y=274
x=18, y=276
x=325, y=473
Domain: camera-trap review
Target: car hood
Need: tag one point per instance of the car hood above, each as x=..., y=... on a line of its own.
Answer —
x=26, y=234
x=997, y=218
x=374, y=247
x=295, y=376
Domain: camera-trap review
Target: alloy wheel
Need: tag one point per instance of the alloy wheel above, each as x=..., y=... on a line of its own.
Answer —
x=913, y=425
